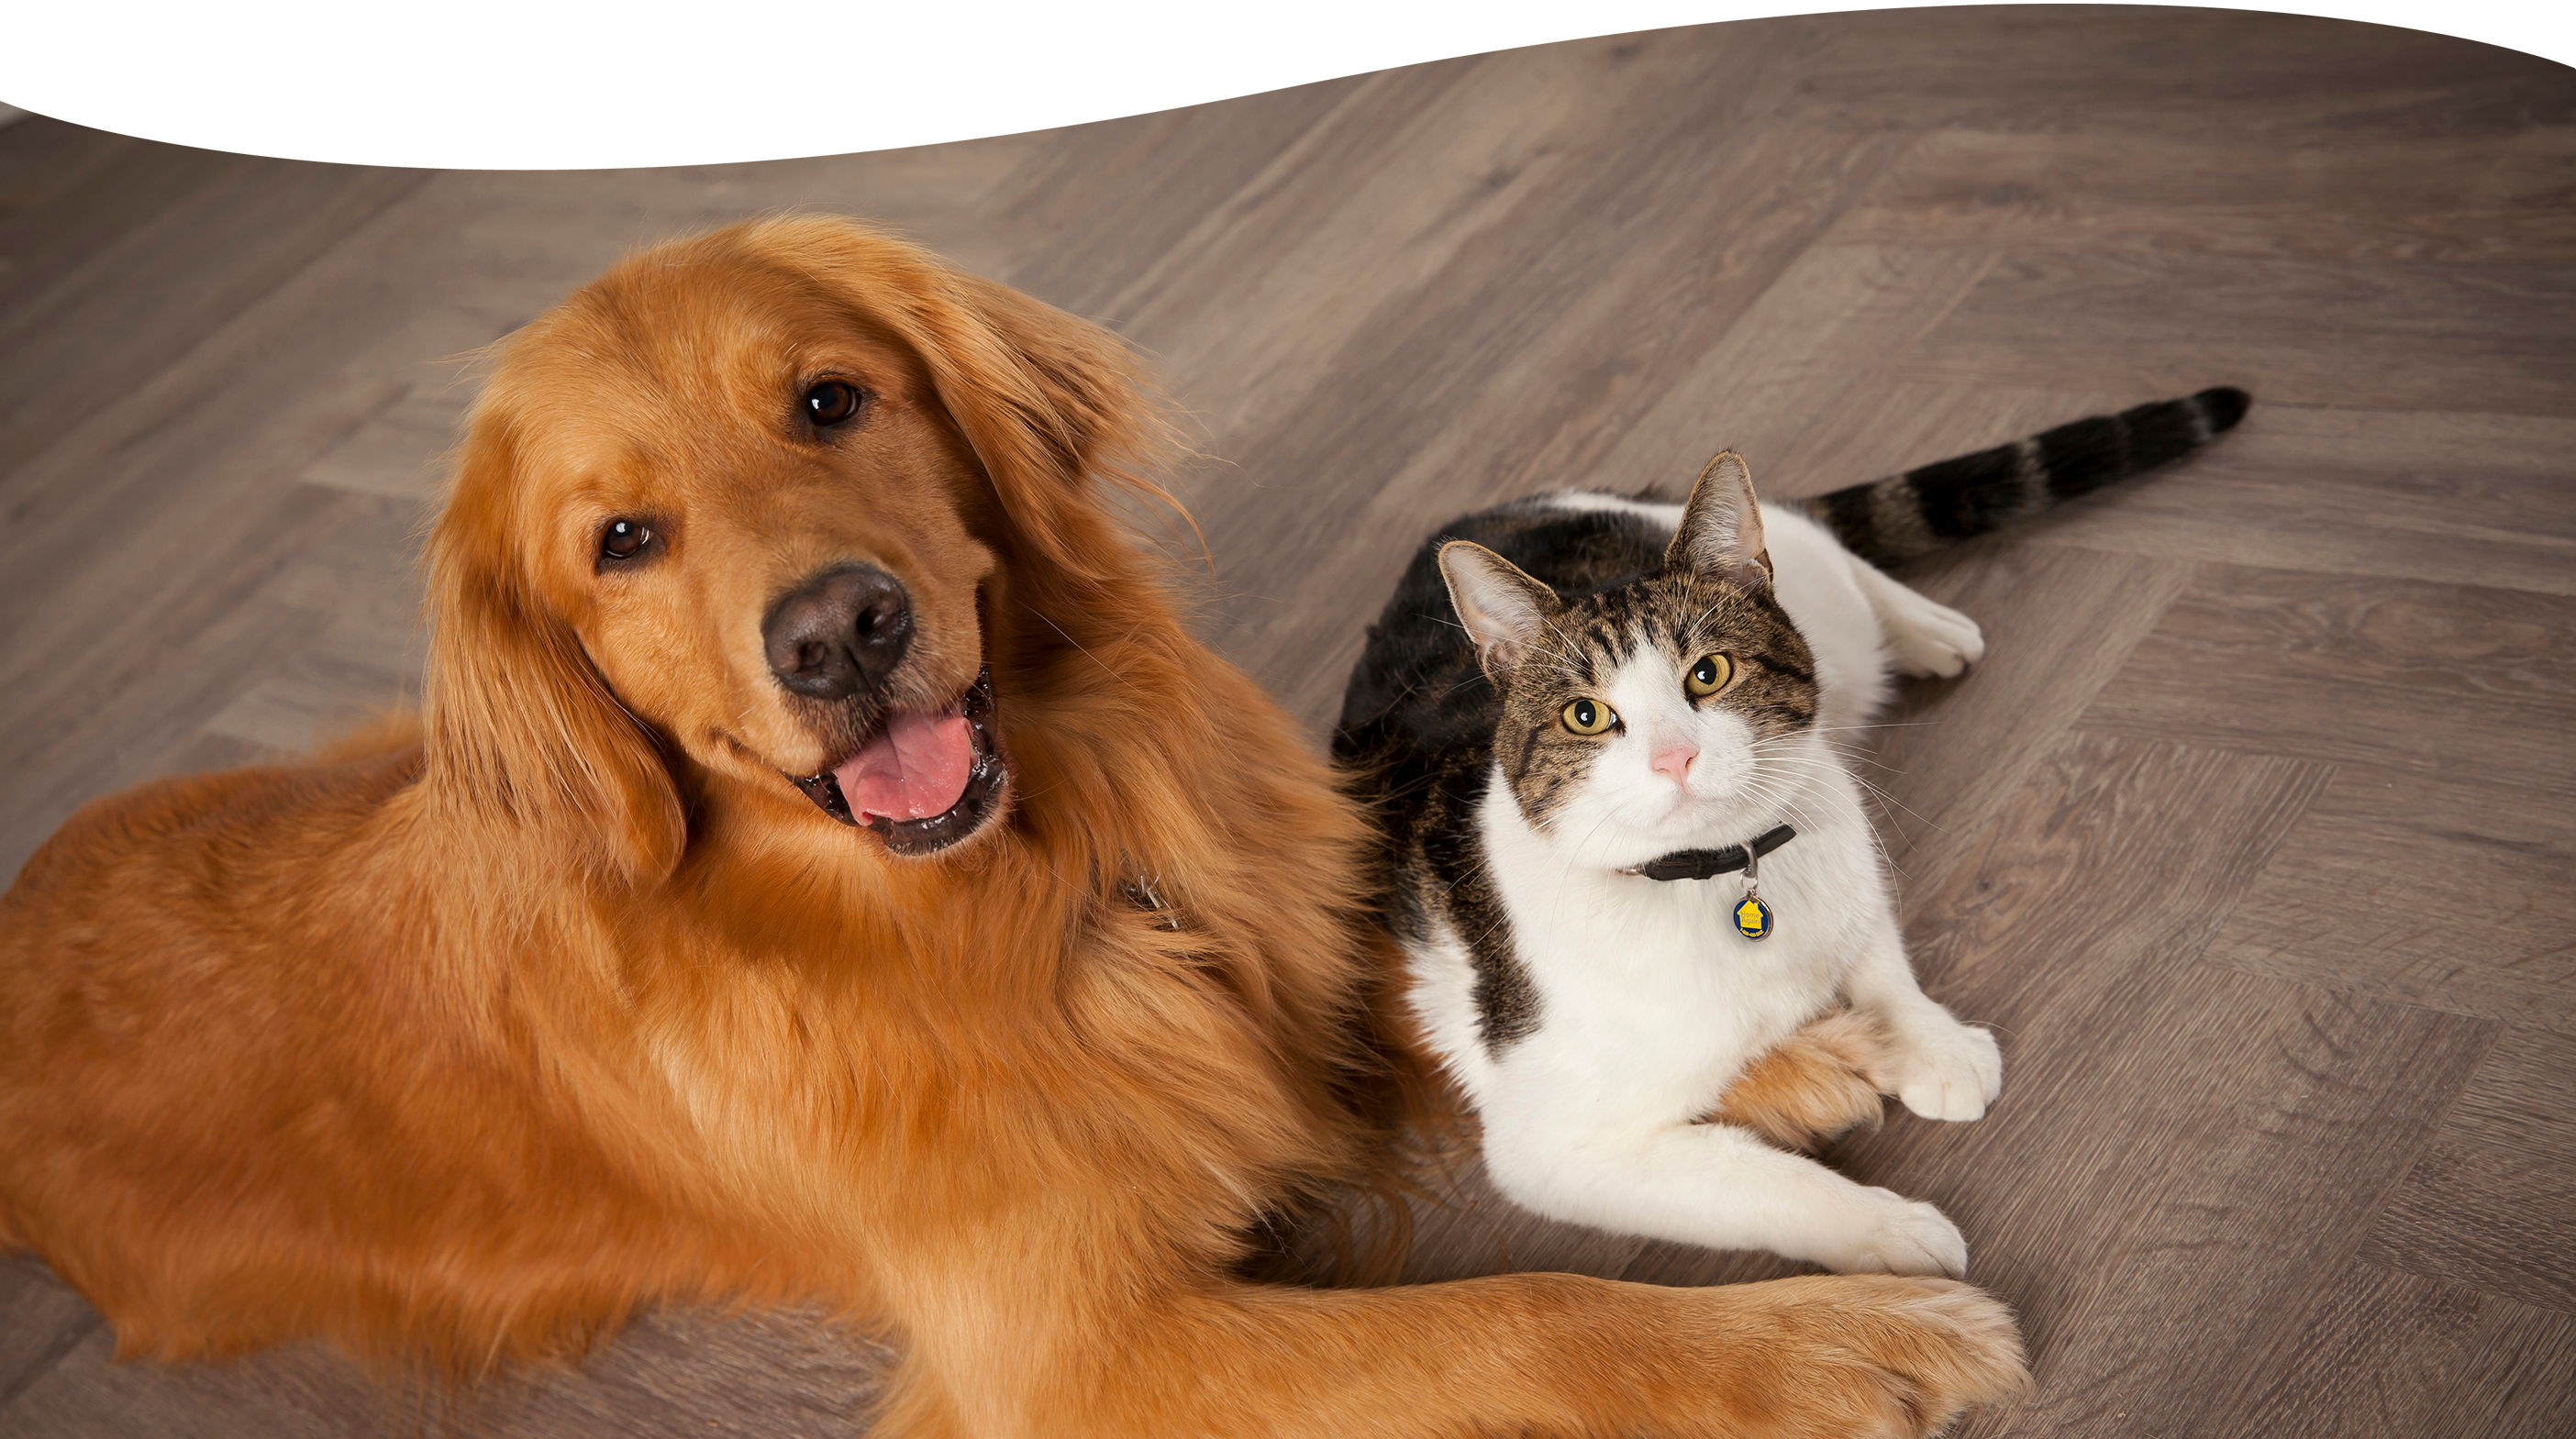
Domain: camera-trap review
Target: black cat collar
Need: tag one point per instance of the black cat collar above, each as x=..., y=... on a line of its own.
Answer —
x=1710, y=863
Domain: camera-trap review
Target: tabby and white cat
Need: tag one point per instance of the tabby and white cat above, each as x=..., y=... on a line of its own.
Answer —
x=1573, y=694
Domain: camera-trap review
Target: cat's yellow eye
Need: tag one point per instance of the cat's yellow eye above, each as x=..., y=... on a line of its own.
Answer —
x=1590, y=717
x=1709, y=675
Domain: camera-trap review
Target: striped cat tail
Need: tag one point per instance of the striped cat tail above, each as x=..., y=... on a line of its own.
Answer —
x=1943, y=503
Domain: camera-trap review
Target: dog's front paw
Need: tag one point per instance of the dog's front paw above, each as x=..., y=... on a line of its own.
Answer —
x=1896, y=1235
x=1951, y=1072
x=1814, y=1086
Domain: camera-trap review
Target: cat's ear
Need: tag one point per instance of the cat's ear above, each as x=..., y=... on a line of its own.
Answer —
x=1721, y=530
x=1502, y=608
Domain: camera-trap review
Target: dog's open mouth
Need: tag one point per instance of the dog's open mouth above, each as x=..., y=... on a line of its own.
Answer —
x=924, y=780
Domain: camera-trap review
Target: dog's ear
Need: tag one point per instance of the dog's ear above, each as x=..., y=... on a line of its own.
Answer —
x=1052, y=404
x=524, y=735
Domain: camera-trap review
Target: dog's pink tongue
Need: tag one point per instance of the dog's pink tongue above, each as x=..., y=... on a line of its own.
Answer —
x=914, y=768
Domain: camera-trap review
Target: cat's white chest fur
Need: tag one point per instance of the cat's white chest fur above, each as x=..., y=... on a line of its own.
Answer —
x=1645, y=986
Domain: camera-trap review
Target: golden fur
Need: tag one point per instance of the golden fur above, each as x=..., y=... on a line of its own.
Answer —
x=465, y=1043
x=1815, y=1086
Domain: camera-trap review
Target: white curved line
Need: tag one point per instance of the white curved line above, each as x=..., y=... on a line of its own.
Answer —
x=1292, y=83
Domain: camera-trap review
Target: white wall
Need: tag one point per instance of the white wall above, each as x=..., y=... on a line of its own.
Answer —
x=60, y=50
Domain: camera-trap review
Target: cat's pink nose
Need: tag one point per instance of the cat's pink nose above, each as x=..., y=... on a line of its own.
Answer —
x=1676, y=762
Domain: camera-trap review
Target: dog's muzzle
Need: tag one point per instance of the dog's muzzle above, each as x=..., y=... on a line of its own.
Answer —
x=908, y=763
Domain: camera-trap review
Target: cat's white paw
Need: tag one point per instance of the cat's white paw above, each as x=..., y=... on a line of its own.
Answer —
x=1933, y=639
x=1952, y=1072
x=1897, y=1235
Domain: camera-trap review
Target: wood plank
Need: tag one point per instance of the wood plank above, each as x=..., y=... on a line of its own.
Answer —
x=2464, y=499
x=2072, y=908
x=2377, y=1357
x=2286, y=83
x=2486, y=1218
x=83, y=341
x=2517, y=1383
x=2522, y=1099
x=160, y=672
x=1183, y=189
x=2059, y=624
x=2359, y=670
x=751, y=1382
x=86, y=1394
x=2392, y=195
x=399, y=451
x=668, y=1376
x=1329, y=237
x=2170, y=1138
x=2459, y=896
x=1555, y=358
x=2131, y=1224
x=212, y=440
x=2485, y=337
x=1781, y=385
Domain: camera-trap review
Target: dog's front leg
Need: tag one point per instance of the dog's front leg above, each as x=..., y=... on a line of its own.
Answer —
x=1537, y=1354
x=1814, y=1086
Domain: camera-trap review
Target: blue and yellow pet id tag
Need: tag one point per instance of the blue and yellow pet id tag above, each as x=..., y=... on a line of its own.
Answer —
x=1752, y=916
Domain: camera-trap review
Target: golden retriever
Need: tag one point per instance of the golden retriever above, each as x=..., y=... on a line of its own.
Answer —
x=823, y=869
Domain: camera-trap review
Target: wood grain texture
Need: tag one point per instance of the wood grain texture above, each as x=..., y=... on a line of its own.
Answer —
x=2522, y=1098
x=2424, y=198
x=40, y=1322
x=2251, y=835
x=2376, y=1360
x=2463, y=499
x=2513, y=1383
x=2411, y=341
x=2059, y=624
x=2459, y=896
x=2500, y=1221
x=2359, y=670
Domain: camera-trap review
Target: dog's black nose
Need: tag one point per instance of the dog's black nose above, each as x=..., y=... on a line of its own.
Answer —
x=838, y=634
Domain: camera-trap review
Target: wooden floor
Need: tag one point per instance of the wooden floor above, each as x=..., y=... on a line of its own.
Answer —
x=2252, y=837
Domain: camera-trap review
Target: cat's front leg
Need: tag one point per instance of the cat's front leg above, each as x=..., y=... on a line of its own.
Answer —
x=1924, y=636
x=1708, y=1184
x=1939, y=1067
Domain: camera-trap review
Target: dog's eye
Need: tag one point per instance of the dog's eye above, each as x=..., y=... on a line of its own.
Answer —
x=624, y=539
x=831, y=402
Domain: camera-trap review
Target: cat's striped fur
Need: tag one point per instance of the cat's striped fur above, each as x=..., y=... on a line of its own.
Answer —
x=1939, y=504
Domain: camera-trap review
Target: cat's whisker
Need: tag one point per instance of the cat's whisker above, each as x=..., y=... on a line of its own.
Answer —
x=1871, y=823
x=1861, y=780
x=1844, y=728
x=1853, y=750
x=1812, y=765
